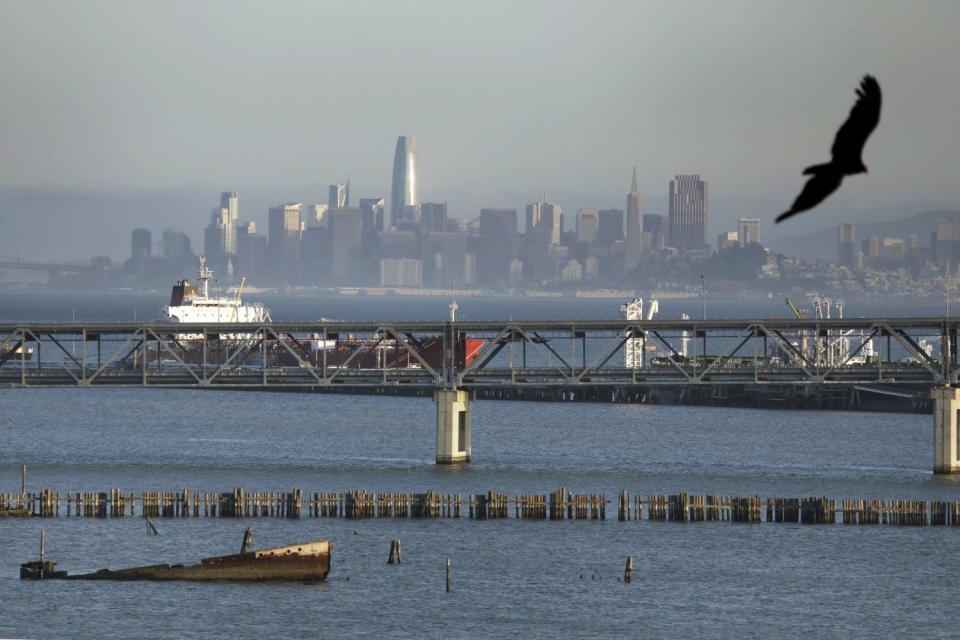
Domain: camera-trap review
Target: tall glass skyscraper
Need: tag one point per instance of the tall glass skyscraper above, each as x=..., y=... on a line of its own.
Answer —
x=688, y=212
x=403, y=193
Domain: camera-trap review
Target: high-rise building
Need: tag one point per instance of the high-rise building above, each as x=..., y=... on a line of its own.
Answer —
x=587, y=223
x=283, y=244
x=944, y=242
x=345, y=229
x=846, y=252
x=728, y=239
x=251, y=251
x=433, y=216
x=371, y=222
x=403, y=192
x=634, y=245
x=230, y=201
x=315, y=215
x=175, y=246
x=688, y=212
x=215, y=237
x=748, y=231
x=609, y=226
x=498, y=245
x=656, y=226
x=545, y=217
x=401, y=272
x=339, y=195
x=140, y=244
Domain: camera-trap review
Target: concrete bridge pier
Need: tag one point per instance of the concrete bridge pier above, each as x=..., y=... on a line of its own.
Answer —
x=946, y=415
x=453, y=425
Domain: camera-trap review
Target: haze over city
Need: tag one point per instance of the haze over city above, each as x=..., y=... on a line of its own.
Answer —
x=119, y=115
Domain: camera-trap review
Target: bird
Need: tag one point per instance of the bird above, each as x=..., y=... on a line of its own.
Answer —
x=846, y=151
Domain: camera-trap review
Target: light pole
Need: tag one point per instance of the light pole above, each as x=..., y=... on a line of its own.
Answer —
x=703, y=296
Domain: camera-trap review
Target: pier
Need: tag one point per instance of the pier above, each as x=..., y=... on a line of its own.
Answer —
x=816, y=363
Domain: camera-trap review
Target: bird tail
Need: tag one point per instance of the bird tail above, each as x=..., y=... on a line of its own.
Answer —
x=785, y=215
x=817, y=168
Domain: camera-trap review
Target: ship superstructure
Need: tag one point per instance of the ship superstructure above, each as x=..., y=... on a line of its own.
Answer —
x=189, y=303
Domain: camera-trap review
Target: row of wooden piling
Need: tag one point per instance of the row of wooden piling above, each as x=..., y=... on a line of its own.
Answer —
x=558, y=505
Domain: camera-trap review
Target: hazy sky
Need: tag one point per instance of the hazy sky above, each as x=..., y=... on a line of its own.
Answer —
x=277, y=100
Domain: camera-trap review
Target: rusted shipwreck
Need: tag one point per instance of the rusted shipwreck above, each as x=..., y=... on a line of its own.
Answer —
x=304, y=562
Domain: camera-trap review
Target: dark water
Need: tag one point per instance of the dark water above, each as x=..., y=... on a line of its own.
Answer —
x=511, y=578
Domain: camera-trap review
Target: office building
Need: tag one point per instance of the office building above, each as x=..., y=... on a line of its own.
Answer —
x=498, y=246
x=345, y=230
x=339, y=196
x=230, y=201
x=748, y=231
x=656, y=226
x=284, y=227
x=140, y=244
x=609, y=226
x=587, y=224
x=727, y=240
x=175, y=247
x=846, y=249
x=403, y=192
x=251, y=251
x=401, y=272
x=634, y=241
x=688, y=212
x=315, y=215
x=433, y=216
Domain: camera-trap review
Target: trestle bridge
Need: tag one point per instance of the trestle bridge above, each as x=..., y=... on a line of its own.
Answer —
x=780, y=360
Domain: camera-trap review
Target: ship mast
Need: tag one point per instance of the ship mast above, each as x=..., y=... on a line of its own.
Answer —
x=204, y=275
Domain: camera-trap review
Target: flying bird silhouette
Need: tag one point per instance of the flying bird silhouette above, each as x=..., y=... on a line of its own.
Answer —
x=846, y=151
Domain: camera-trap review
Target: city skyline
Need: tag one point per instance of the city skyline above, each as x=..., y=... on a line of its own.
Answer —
x=104, y=113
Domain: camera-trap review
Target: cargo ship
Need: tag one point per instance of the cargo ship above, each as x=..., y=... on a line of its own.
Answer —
x=190, y=303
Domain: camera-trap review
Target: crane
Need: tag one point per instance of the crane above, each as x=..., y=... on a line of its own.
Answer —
x=797, y=312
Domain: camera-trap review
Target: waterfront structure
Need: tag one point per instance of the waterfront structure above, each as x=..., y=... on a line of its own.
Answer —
x=283, y=245
x=403, y=192
x=587, y=223
x=634, y=244
x=748, y=231
x=498, y=245
x=140, y=245
x=688, y=212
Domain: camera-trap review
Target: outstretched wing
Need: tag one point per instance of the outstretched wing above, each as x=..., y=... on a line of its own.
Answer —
x=863, y=119
x=821, y=185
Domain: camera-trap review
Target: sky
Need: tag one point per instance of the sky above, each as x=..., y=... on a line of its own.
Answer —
x=123, y=114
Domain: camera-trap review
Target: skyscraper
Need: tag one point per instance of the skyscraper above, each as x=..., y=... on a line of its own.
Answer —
x=845, y=250
x=339, y=195
x=498, y=245
x=545, y=217
x=656, y=226
x=404, y=189
x=748, y=231
x=283, y=241
x=230, y=201
x=587, y=224
x=140, y=241
x=610, y=226
x=433, y=216
x=688, y=212
x=634, y=245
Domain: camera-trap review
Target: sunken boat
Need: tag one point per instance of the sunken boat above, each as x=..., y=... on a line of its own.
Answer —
x=304, y=562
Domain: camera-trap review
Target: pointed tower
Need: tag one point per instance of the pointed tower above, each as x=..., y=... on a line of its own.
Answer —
x=634, y=246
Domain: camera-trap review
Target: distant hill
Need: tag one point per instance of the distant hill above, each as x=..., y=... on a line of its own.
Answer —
x=822, y=245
